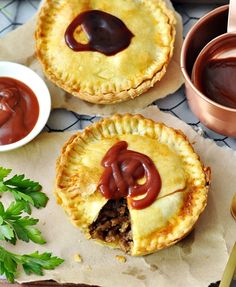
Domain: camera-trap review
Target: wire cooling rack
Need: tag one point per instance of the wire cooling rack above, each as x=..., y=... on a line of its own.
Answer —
x=14, y=13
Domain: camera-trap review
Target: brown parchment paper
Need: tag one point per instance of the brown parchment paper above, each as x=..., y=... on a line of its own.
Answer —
x=18, y=46
x=196, y=261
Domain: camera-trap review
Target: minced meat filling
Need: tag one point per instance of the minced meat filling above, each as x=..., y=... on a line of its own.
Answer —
x=113, y=224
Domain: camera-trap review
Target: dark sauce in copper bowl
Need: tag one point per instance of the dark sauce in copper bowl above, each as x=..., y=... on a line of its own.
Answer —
x=218, y=81
x=19, y=110
x=106, y=33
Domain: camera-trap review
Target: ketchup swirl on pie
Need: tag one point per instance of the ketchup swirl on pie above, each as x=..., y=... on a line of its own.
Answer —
x=123, y=168
x=106, y=33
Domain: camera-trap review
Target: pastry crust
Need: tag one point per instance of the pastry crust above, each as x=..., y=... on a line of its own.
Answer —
x=185, y=182
x=98, y=78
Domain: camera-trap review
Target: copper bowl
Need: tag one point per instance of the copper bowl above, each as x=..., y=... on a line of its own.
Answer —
x=217, y=117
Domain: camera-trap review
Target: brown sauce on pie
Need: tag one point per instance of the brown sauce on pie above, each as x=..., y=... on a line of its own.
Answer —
x=123, y=168
x=106, y=33
x=19, y=110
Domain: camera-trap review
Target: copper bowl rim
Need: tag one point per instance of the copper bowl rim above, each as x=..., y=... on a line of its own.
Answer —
x=183, y=57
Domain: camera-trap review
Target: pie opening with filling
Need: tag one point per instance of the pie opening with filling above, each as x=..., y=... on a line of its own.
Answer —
x=113, y=224
x=131, y=183
x=105, y=51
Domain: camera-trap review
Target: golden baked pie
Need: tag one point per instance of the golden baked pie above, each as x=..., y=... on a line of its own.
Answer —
x=131, y=183
x=105, y=51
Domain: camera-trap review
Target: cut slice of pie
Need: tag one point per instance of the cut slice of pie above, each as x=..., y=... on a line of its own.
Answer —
x=131, y=183
x=105, y=51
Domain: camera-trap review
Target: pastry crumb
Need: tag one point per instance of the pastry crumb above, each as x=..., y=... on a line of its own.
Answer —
x=78, y=258
x=89, y=268
x=121, y=258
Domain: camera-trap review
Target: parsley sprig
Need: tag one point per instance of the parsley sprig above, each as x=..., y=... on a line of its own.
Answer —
x=31, y=263
x=24, y=190
x=13, y=225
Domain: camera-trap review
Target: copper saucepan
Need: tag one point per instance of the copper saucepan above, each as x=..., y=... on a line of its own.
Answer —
x=213, y=115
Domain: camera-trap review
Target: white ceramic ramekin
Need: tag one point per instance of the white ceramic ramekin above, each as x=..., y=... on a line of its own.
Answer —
x=38, y=86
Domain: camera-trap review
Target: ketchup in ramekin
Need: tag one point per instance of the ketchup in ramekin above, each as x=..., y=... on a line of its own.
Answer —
x=19, y=110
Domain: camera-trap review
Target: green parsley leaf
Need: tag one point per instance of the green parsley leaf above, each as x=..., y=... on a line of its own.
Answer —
x=1, y=209
x=39, y=198
x=6, y=232
x=4, y=172
x=13, y=226
x=25, y=231
x=32, y=263
x=14, y=210
x=27, y=207
x=23, y=189
x=21, y=182
x=45, y=260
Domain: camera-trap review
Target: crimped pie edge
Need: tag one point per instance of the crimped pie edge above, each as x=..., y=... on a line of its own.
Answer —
x=125, y=123
x=101, y=97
